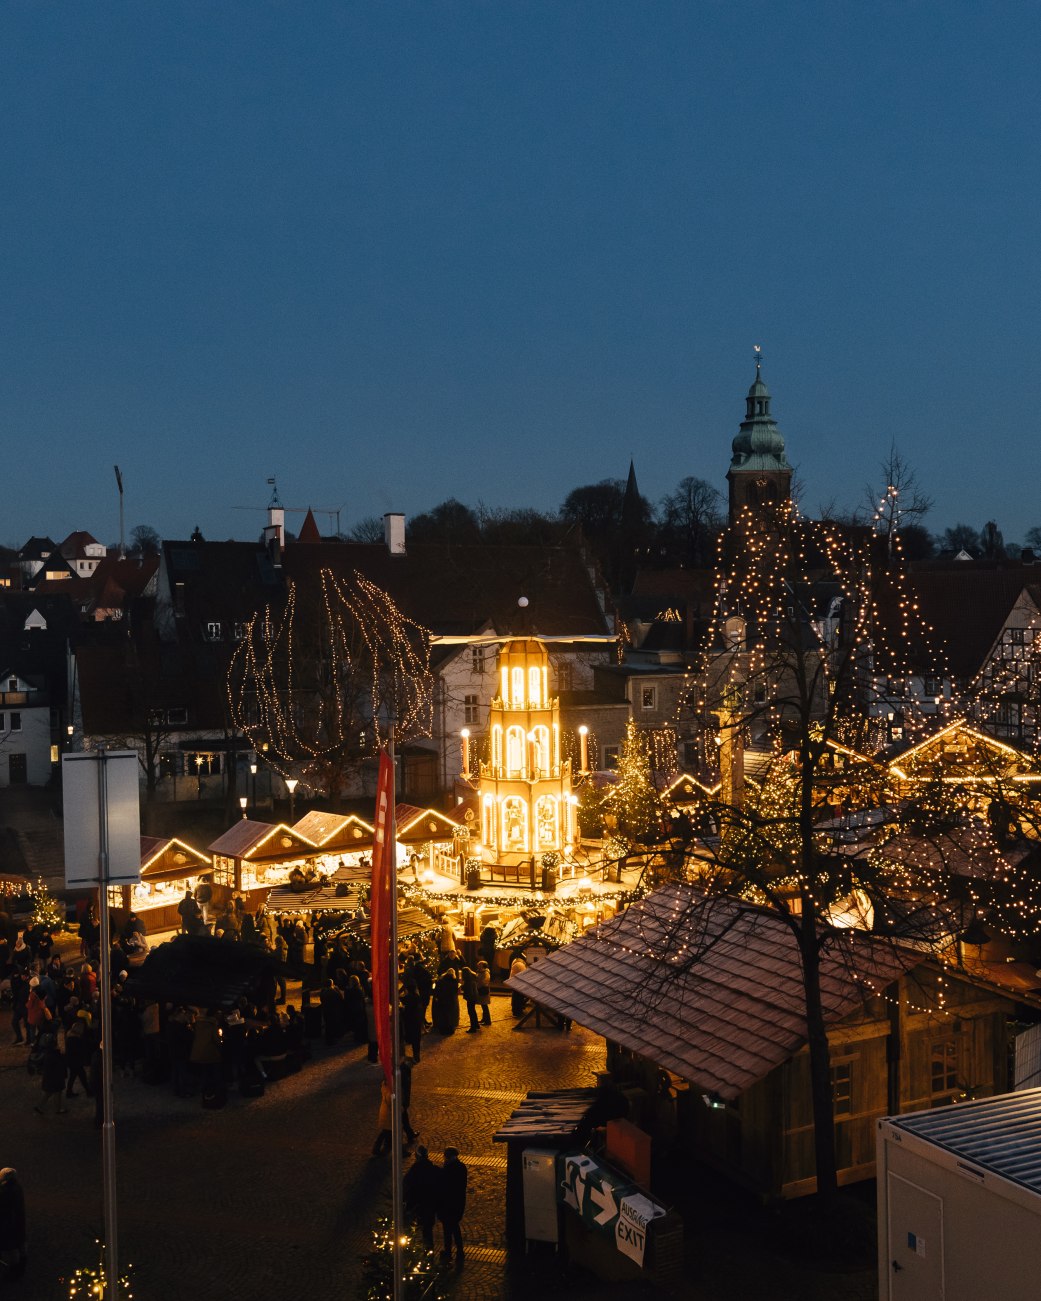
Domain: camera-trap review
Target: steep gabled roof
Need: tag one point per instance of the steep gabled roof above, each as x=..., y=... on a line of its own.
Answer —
x=449, y=589
x=708, y=988
x=967, y=607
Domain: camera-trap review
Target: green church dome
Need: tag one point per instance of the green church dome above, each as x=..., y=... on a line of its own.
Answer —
x=759, y=444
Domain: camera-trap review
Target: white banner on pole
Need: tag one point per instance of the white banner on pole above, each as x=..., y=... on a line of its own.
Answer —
x=81, y=775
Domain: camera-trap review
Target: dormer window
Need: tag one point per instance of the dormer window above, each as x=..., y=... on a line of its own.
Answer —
x=213, y=630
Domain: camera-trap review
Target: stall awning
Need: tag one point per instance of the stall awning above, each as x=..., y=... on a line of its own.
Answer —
x=261, y=842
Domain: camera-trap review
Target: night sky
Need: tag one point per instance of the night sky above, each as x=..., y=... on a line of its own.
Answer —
x=393, y=252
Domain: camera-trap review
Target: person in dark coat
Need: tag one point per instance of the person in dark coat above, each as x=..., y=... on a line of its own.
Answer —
x=446, y=1003
x=420, y=1187
x=451, y=1203
x=420, y=973
x=77, y=1051
x=52, y=1077
x=13, y=1236
x=354, y=1009
x=411, y=1018
x=471, y=993
x=19, y=1004
x=333, y=1011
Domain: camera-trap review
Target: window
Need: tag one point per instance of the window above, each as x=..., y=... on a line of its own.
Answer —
x=471, y=710
x=1016, y=636
x=177, y=717
x=842, y=1088
x=213, y=630
x=238, y=630
x=943, y=1070
x=477, y=659
x=648, y=697
x=12, y=684
x=932, y=687
x=565, y=677
x=16, y=722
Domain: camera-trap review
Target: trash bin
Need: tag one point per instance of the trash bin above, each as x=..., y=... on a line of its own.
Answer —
x=549, y=880
x=473, y=878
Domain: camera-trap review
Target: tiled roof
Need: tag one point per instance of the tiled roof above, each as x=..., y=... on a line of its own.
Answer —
x=449, y=589
x=708, y=988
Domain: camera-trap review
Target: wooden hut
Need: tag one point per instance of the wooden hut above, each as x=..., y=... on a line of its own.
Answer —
x=169, y=866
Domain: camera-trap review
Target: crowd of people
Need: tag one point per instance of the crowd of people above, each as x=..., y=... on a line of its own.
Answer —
x=208, y=1049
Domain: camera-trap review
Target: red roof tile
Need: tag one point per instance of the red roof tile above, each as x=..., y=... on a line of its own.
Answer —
x=708, y=988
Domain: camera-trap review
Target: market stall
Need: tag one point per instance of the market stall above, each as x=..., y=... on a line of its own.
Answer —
x=252, y=857
x=169, y=866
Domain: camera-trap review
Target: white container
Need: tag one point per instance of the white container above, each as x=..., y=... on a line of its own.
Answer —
x=959, y=1202
x=540, y=1194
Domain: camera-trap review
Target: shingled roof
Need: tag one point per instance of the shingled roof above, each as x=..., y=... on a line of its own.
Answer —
x=710, y=989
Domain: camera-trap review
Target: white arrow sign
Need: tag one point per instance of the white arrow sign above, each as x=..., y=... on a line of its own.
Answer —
x=604, y=1198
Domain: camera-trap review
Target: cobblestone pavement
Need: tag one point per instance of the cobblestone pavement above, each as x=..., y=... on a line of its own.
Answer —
x=274, y=1197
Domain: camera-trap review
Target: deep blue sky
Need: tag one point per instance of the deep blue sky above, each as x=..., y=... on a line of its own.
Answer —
x=398, y=252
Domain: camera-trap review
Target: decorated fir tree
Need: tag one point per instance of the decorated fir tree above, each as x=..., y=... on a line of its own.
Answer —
x=421, y=1272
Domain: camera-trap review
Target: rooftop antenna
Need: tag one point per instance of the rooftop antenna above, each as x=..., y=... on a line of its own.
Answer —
x=274, y=493
x=119, y=485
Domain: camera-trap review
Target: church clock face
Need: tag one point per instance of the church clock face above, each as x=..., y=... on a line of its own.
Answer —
x=763, y=492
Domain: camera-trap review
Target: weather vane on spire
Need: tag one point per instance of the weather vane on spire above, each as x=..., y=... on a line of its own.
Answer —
x=758, y=356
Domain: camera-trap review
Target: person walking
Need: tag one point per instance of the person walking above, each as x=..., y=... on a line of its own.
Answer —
x=451, y=1203
x=13, y=1237
x=420, y=1188
x=484, y=991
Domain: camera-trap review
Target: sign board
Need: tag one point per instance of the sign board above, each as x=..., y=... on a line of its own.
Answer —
x=608, y=1202
x=81, y=780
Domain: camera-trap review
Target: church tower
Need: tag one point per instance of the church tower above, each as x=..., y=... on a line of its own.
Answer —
x=759, y=473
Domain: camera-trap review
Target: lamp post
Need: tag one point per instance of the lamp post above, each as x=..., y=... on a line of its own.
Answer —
x=465, y=734
x=198, y=774
x=253, y=776
x=583, y=741
x=291, y=785
x=242, y=805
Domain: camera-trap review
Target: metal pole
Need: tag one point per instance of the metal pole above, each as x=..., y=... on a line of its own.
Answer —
x=108, y=1129
x=396, y=1135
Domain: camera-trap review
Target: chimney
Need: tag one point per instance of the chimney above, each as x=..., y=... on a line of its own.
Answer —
x=394, y=533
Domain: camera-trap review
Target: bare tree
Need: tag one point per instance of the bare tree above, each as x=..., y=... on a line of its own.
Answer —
x=316, y=679
x=899, y=500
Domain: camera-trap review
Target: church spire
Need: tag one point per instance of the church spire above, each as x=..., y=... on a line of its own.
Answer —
x=759, y=469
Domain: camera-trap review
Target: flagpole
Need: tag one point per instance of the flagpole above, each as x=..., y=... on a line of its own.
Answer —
x=396, y=1134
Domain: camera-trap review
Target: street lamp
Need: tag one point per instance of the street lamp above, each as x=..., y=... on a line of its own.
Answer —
x=291, y=785
x=242, y=805
x=253, y=774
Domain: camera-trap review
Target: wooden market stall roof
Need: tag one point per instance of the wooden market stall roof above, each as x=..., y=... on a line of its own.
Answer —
x=261, y=841
x=169, y=858
x=417, y=826
x=332, y=831
x=708, y=988
x=960, y=753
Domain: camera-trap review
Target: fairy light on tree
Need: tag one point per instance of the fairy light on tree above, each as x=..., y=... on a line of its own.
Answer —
x=816, y=629
x=315, y=680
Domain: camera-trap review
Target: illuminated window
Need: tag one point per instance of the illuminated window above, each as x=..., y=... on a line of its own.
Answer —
x=547, y=834
x=497, y=746
x=540, y=743
x=514, y=825
x=518, y=688
x=534, y=687
x=648, y=697
x=515, y=751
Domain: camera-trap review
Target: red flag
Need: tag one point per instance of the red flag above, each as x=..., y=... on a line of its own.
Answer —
x=382, y=902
